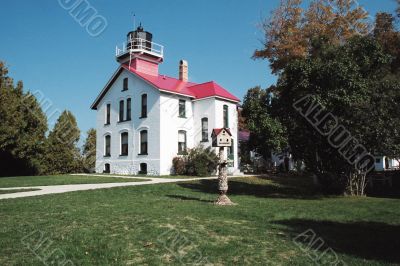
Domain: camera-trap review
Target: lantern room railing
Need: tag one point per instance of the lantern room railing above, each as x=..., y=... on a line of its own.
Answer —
x=138, y=45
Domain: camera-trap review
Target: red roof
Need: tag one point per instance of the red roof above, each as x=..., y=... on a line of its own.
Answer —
x=216, y=131
x=172, y=85
x=197, y=91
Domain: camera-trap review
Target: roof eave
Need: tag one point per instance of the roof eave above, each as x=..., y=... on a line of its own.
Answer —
x=105, y=89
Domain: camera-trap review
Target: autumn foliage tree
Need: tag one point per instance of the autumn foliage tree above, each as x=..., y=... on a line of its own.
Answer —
x=290, y=32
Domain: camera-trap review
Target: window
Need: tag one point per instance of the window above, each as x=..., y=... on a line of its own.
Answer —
x=107, y=146
x=143, y=142
x=121, y=111
x=124, y=144
x=226, y=116
x=125, y=86
x=128, y=109
x=204, y=129
x=108, y=110
x=182, y=108
x=143, y=169
x=377, y=160
x=181, y=142
x=107, y=168
x=144, y=106
x=230, y=151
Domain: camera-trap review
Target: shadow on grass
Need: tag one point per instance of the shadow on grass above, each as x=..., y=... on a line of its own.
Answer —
x=367, y=240
x=182, y=197
x=263, y=186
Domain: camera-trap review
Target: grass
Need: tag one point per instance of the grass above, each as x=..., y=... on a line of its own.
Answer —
x=27, y=181
x=177, y=224
x=8, y=191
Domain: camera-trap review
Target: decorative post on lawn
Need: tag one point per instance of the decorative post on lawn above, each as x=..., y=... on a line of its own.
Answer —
x=222, y=137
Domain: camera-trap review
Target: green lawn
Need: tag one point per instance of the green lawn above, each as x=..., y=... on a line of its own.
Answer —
x=26, y=181
x=178, y=224
x=7, y=191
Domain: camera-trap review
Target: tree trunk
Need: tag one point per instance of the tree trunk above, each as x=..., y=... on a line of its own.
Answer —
x=357, y=182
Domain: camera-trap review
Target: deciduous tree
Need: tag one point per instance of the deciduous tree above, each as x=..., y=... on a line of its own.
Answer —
x=266, y=132
x=290, y=31
x=354, y=83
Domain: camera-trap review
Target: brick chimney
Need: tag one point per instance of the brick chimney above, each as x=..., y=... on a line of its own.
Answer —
x=183, y=70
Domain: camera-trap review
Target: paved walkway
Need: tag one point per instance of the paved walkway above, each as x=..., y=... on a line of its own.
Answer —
x=44, y=190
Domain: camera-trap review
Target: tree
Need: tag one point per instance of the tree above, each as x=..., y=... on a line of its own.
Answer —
x=385, y=33
x=267, y=134
x=353, y=83
x=22, y=129
x=283, y=37
x=89, y=151
x=62, y=154
x=398, y=9
x=290, y=32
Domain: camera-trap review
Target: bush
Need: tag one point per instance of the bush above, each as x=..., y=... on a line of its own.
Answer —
x=332, y=183
x=179, y=165
x=201, y=162
x=198, y=162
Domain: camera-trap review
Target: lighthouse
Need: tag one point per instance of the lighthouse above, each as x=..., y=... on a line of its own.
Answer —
x=140, y=53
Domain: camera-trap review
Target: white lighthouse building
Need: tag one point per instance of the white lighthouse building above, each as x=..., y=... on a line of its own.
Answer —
x=145, y=119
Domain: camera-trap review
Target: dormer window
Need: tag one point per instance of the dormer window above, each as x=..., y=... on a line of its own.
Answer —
x=125, y=84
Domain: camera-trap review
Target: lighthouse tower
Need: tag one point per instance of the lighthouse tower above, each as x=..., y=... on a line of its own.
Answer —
x=140, y=53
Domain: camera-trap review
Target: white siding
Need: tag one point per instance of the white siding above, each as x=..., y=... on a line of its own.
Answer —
x=129, y=164
x=162, y=123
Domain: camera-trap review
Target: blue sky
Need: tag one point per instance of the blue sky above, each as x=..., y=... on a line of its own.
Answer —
x=46, y=48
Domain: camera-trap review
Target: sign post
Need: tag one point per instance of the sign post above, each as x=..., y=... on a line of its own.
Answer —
x=221, y=138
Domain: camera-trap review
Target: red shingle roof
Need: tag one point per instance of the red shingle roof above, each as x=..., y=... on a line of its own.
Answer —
x=197, y=91
x=173, y=85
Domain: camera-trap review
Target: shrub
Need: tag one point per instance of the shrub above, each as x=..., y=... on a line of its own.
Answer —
x=332, y=183
x=179, y=165
x=201, y=161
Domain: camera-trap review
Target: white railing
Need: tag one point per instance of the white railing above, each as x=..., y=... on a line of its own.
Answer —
x=138, y=45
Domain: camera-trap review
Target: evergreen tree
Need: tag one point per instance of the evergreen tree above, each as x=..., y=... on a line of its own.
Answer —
x=22, y=129
x=89, y=151
x=63, y=155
